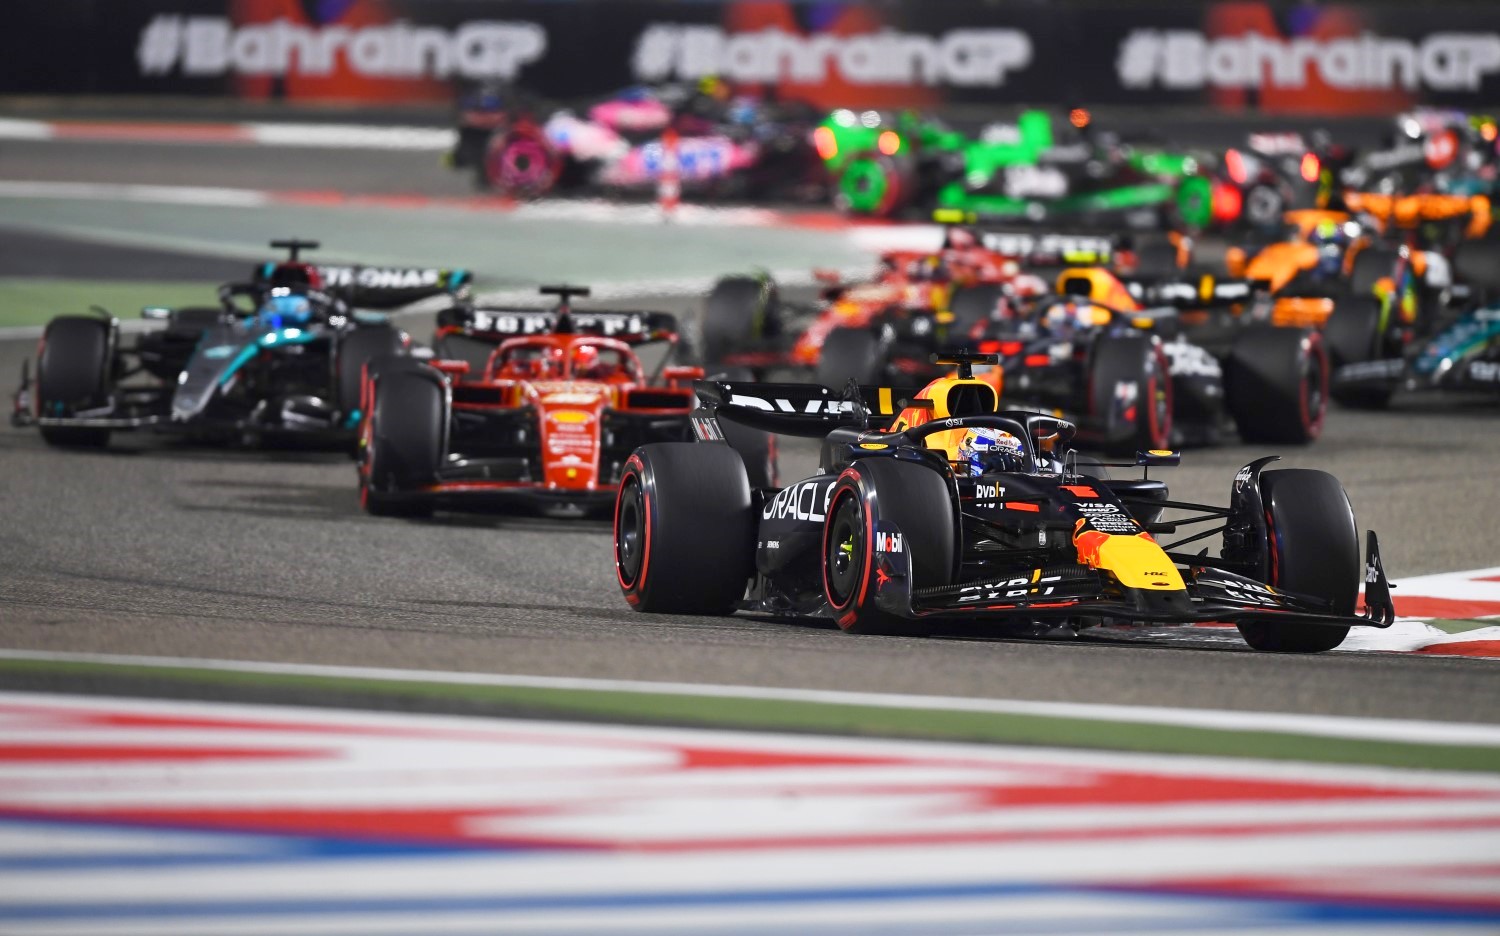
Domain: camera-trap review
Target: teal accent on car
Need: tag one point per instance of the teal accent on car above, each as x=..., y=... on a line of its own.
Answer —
x=275, y=339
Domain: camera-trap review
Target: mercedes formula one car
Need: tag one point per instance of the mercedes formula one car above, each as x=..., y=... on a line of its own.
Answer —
x=280, y=355
x=942, y=512
x=548, y=418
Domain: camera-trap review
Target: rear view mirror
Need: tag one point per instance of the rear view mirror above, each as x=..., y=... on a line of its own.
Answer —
x=1153, y=458
x=156, y=313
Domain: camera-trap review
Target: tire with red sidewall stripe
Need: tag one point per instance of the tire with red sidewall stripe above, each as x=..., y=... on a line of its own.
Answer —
x=403, y=438
x=1276, y=384
x=1313, y=543
x=684, y=530
x=1132, y=422
x=917, y=500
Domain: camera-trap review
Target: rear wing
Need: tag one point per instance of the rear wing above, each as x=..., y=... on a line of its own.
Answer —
x=1200, y=292
x=795, y=409
x=1051, y=249
x=499, y=323
x=384, y=287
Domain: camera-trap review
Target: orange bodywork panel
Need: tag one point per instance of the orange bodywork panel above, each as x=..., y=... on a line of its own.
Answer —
x=1406, y=211
x=1280, y=262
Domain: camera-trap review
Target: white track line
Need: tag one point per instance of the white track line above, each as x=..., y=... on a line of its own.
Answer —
x=1399, y=730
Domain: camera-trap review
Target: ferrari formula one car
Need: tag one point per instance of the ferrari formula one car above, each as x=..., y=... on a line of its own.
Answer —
x=280, y=355
x=549, y=418
x=721, y=142
x=957, y=514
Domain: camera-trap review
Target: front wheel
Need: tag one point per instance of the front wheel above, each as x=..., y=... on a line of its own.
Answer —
x=1314, y=550
x=73, y=373
x=1276, y=384
x=684, y=529
x=403, y=443
x=872, y=492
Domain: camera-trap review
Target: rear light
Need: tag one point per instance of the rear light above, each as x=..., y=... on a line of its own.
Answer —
x=1037, y=360
x=1234, y=164
x=1227, y=203
x=826, y=143
x=1311, y=167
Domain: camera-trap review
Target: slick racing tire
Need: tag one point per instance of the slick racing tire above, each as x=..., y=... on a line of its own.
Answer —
x=1314, y=550
x=358, y=348
x=739, y=311
x=685, y=529
x=1263, y=207
x=404, y=441
x=1130, y=395
x=875, y=490
x=873, y=184
x=1353, y=336
x=520, y=165
x=1370, y=265
x=757, y=449
x=1156, y=258
x=1276, y=384
x=850, y=354
x=1477, y=263
x=73, y=373
x=971, y=306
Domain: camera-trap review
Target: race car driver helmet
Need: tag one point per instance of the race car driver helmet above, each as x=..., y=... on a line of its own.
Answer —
x=589, y=364
x=285, y=308
x=1331, y=238
x=984, y=450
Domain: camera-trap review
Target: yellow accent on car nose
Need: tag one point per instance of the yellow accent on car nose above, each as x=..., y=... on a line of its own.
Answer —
x=1139, y=563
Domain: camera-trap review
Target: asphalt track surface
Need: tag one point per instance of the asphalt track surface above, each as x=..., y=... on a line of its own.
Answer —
x=159, y=547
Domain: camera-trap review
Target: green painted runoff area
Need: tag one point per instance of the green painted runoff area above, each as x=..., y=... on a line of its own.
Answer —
x=706, y=711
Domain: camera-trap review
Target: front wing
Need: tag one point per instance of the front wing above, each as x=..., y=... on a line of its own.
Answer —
x=1073, y=592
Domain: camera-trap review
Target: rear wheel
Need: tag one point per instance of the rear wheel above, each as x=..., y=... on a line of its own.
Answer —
x=872, y=184
x=875, y=491
x=684, y=529
x=1263, y=207
x=850, y=354
x=1130, y=395
x=404, y=443
x=1353, y=336
x=520, y=165
x=1314, y=546
x=1276, y=384
x=971, y=306
x=739, y=311
x=73, y=373
x=1370, y=265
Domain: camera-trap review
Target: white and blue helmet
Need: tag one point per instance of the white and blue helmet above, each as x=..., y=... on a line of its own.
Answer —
x=985, y=450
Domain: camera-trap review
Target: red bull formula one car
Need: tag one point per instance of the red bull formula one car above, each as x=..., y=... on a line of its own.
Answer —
x=549, y=418
x=942, y=511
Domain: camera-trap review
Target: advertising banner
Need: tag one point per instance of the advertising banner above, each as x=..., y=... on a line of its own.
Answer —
x=1269, y=57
